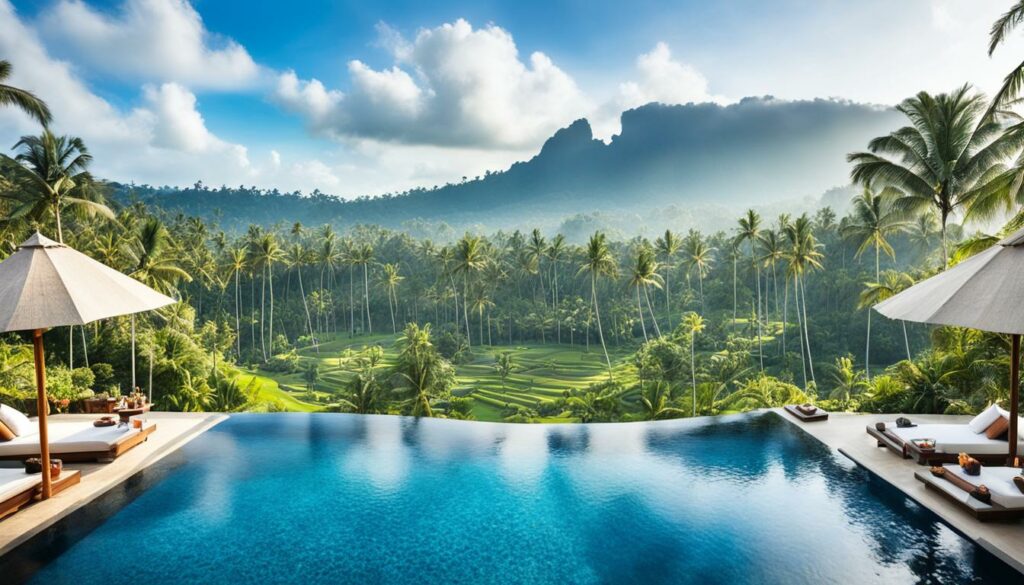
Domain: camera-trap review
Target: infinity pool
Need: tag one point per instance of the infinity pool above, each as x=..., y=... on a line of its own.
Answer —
x=293, y=498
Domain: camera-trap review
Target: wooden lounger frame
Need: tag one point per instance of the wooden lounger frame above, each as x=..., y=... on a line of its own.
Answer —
x=104, y=456
x=990, y=512
x=11, y=505
x=818, y=415
x=908, y=450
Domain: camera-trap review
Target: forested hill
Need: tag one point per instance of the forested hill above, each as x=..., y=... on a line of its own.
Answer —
x=754, y=152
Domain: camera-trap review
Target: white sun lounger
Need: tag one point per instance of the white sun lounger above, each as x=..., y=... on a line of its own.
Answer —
x=74, y=441
x=1007, y=502
x=18, y=488
x=950, y=441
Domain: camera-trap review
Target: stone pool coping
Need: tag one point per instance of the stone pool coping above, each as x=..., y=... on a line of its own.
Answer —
x=173, y=430
x=844, y=432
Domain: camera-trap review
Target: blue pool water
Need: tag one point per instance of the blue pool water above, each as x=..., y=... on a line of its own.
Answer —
x=347, y=499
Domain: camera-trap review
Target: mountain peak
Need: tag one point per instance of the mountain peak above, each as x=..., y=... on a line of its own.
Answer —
x=571, y=139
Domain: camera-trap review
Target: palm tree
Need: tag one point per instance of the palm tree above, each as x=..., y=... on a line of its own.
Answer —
x=22, y=99
x=154, y=259
x=470, y=259
x=51, y=176
x=654, y=400
x=481, y=302
x=362, y=255
x=328, y=256
x=803, y=256
x=268, y=253
x=1002, y=27
x=503, y=366
x=771, y=253
x=446, y=256
x=599, y=262
x=363, y=393
x=237, y=261
x=390, y=280
x=297, y=257
x=700, y=258
x=750, y=232
x=891, y=284
x=536, y=250
x=556, y=251
x=944, y=160
x=694, y=324
x=847, y=380
x=645, y=273
x=668, y=247
x=873, y=219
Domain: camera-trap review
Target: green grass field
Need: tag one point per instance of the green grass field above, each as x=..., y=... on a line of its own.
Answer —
x=541, y=373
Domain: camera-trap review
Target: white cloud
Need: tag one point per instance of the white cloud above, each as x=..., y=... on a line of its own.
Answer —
x=664, y=80
x=163, y=40
x=659, y=78
x=163, y=140
x=452, y=85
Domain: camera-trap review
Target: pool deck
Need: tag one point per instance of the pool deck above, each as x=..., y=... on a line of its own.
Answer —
x=173, y=429
x=845, y=432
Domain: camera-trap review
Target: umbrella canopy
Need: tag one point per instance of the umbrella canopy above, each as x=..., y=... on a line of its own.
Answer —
x=46, y=284
x=984, y=292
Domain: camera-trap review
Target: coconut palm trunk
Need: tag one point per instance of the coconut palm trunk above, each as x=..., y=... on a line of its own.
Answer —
x=640, y=311
x=270, y=272
x=263, y=308
x=693, y=370
x=366, y=291
x=597, y=314
x=465, y=307
x=305, y=307
x=799, y=327
x=654, y=318
x=238, y=318
x=807, y=335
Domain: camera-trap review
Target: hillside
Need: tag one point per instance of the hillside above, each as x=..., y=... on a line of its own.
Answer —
x=759, y=151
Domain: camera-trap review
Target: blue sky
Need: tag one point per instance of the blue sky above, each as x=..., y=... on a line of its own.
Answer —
x=367, y=97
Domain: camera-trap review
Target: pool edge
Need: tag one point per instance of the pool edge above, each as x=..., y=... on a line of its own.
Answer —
x=123, y=475
x=995, y=550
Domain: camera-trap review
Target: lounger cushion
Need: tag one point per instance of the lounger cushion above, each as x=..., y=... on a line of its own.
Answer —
x=1020, y=419
x=950, y=438
x=70, y=437
x=6, y=434
x=16, y=421
x=997, y=430
x=984, y=419
x=16, y=481
x=998, y=480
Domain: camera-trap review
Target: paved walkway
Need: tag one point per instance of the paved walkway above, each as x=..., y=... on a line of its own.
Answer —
x=172, y=431
x=846, y=433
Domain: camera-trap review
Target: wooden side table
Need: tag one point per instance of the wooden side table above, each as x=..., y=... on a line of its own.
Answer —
x=125, y=414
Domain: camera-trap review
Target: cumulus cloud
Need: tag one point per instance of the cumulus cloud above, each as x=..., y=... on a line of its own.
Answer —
x=163, y=140
x=163, y=40
x=452, y=85
x=658, y=78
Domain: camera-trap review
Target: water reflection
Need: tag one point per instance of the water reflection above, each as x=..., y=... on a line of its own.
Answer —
x=392, y=500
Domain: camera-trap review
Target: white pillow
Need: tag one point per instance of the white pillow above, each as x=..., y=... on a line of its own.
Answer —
x=16, y=421
x=981, y=422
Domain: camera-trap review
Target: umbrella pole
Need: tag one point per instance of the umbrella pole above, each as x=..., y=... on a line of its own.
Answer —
x=133, y=354
x=1014, y=395
x=44, y=444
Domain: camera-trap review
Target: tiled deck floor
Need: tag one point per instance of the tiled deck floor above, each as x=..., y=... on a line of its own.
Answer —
x=845, y=432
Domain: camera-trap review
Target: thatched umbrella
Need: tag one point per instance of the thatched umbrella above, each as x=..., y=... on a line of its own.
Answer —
x=44, y=284
x=984, y=292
